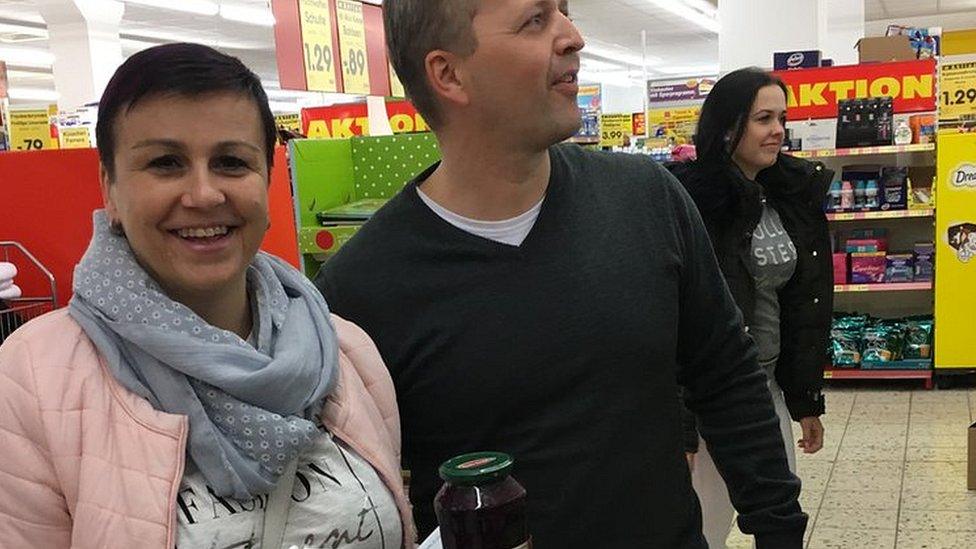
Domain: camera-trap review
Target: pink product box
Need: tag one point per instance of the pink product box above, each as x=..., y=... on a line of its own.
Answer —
x=840, y=268
x=868, y=268
x=867, y=245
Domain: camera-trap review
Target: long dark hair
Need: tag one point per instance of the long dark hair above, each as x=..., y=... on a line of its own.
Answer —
x=725, y=114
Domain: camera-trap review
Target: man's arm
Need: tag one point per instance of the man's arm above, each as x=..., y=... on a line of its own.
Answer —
x=727, y=391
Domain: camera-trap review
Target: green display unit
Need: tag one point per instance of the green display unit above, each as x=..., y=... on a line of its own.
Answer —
x=340, y=183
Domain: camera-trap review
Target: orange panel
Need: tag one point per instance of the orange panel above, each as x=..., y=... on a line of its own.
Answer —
x=49, y=196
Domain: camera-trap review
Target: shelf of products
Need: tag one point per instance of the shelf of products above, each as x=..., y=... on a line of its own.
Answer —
x=863, y=151
x=894, y=287
x=890, y=214
x=853, y=373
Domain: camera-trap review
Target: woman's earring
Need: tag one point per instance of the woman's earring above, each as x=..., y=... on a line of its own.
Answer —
x=115, y=227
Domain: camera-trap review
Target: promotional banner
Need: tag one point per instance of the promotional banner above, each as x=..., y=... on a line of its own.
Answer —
x=615, y=129
x=352, y=119
x=957, y=91
x=676, y=124
x=589, y=98
x=352, y=47
x=815, y=93
x=955, y=252
x=679, y=91
x=316, y=32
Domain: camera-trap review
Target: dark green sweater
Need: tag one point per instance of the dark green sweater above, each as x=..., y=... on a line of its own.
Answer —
x=567, y=352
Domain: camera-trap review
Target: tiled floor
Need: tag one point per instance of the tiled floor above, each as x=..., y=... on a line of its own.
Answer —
x=892, y=474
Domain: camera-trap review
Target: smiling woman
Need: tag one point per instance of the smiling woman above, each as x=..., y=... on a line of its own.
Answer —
x=188, y=187
x=209, y=370
x=764, y=217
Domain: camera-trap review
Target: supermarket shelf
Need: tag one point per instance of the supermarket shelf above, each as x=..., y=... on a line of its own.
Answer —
x=862, y=151
x=584, y=140
x=891, y=214
x=897, y=287
x=838, y=373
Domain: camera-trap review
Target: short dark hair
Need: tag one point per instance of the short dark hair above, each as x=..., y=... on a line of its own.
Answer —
x=179, y=69
x=725, y=114
x=415, y=28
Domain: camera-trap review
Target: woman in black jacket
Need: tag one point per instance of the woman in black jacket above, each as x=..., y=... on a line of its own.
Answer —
x=764, y=214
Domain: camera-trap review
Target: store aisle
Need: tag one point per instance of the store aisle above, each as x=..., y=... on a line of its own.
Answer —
x=892, y=474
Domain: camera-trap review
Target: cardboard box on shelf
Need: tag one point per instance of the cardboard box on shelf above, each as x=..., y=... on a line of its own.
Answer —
x=882, y=49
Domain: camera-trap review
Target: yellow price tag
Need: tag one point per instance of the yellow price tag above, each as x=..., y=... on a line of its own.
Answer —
x=352, y=46
x=291, y=121
x=396, y=87
x=957, y=85
x=615, y=129
x=30, y=129
x=75, y=138
x=317, y=42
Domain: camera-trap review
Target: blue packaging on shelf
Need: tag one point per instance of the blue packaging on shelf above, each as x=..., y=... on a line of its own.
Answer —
x=788, y=60
x=894, y=185
x=924, y=262
x=900, y=268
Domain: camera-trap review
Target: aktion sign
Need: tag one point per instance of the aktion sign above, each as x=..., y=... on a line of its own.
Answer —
x=816, y=93
x=352, y=119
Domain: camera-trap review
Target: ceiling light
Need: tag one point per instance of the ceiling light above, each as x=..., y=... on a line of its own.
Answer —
x=613, y=78
x=31, y=17
x=33, y=94
x=283, y=106
x=198, y=7
x=14, y=34
x=30, y=75
x=588, y=64
x=26, y=57
x=616, y=54
x=692, y=70
x=696, y=12
x=246, y=14
x=161, y=37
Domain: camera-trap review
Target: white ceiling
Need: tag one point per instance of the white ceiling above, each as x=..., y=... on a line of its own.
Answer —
x=672, y=42
x=876, y=10
x=612, y=29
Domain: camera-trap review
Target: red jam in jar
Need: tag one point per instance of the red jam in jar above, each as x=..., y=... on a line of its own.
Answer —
x=480, y=505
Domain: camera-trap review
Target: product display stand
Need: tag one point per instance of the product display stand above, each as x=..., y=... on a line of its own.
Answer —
x=905, y=226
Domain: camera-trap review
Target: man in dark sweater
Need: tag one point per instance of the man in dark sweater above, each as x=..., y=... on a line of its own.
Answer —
x=548, y=302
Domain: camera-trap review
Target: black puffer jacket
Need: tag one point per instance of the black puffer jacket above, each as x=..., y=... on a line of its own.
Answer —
x=731, y=207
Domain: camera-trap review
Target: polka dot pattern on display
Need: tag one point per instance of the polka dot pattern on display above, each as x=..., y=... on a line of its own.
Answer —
x=383, y=165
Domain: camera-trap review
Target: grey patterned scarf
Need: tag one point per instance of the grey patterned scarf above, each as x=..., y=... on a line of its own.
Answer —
x=251, y=410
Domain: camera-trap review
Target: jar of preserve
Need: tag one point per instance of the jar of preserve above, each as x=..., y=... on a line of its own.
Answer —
x=480, y=505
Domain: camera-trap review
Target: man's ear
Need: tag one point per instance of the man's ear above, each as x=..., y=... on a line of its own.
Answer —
x=445, y=74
